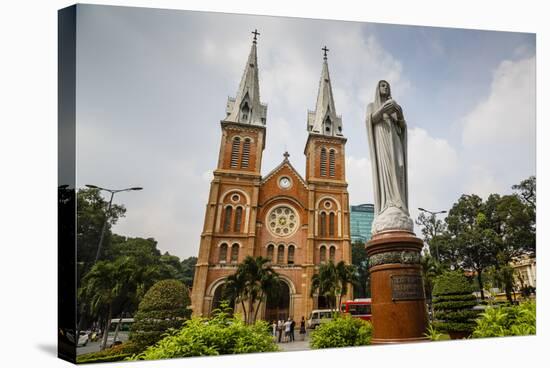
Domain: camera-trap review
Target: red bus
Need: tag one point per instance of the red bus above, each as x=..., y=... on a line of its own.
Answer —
x=358, y=308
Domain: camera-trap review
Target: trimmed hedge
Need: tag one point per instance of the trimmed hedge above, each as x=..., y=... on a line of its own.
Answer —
x=116, y=353
x=221, y=334
x=453, y=301
x=342, y=331
x=164, y=307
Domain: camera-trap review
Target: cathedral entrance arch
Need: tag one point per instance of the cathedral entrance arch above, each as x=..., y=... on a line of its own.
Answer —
x=217, y=297
x=279, y=306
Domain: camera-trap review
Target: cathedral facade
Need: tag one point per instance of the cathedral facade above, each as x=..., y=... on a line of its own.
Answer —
x=298, y=222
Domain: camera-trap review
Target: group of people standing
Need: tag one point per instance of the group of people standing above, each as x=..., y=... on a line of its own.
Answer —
x=283, y=331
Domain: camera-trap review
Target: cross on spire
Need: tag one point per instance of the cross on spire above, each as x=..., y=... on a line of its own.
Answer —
x=286, y=155
x=325, y=51
x=256, y=34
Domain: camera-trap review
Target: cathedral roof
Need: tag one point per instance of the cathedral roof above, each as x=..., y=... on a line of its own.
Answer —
x=286, y=162
x=246, y=107
x=324, y=120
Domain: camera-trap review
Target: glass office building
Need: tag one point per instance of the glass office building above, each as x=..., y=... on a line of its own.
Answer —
x=361, y=222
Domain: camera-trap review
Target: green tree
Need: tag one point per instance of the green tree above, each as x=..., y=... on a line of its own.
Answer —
x=104, y=285
x=164, y=306
x=188, y=270
x=431, y=229
x=360, y=260
x=91, y=213
x=332, y=281
x=251, y=284
x=453, y=302
x=474, y=238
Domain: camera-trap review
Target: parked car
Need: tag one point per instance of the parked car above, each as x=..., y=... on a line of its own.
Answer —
x=319, y=316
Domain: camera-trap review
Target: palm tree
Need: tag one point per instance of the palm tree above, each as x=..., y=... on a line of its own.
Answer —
x=332, y=281
x=104, y=284
x=250, y=285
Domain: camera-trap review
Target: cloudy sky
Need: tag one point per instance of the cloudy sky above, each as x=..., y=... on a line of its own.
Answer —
x=152, y=87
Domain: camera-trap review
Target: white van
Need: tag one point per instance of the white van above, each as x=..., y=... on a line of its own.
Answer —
x=319, y=316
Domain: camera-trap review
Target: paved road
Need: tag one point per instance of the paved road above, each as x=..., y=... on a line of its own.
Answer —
x=297, y=345
x=91, y=347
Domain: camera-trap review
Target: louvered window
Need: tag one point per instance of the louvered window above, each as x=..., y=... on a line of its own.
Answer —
x=332, y=163
x=281, y=254
x=323, y=254
x=290, y=255
x=323, y=224
x=323, y=162
x=227, y=219
x=270, y=249
x=246, y=153
x=235, y=253
x=223, y=253
x=331, y=224
x=236, y=145
x=238, y=219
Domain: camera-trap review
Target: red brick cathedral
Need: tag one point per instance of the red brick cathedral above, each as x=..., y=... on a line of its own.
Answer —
x=296, y=222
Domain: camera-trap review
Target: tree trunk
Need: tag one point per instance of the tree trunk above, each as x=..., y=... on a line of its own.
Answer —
x=117, y=328
x=258, y=307
x=107, y=327
x=480, y=281
x=244, y=311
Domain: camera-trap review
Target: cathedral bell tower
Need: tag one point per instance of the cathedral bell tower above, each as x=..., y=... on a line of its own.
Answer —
x=328, y=200
x=229, y=229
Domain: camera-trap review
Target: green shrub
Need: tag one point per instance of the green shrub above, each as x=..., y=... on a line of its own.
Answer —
x=342, y=331
x=221, y=334
x=515, y=320
x=453, y=301
x=163, y=307
x=433, y=334
x=116, y=353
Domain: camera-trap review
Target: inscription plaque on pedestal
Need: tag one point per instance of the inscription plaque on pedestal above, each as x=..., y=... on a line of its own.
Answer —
x=407, y=287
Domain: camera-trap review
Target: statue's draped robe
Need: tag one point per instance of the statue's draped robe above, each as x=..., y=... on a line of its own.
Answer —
x=388, y=153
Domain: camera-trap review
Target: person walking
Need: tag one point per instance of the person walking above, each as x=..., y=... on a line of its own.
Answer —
x=280, y=327
x=292, y=325
x=303, y=328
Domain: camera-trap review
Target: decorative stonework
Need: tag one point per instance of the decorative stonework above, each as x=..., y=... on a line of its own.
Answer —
x=405, y=257
x=282, y=221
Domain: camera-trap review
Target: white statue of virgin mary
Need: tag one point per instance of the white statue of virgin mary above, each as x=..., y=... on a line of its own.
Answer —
x=387, y=134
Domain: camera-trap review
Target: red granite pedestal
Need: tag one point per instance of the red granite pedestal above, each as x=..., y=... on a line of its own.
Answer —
x=398, y=301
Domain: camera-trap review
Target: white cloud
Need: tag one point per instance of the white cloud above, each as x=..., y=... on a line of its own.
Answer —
x=359, y=178
x=499, y=134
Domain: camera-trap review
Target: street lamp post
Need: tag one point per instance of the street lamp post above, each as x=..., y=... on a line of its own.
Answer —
x=107, y=214
x=434, y=233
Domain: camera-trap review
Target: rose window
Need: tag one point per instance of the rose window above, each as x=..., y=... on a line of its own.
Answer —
x=282, y=221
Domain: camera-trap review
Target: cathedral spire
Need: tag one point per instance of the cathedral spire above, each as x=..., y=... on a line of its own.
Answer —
x=324, y=119
x=246, y=107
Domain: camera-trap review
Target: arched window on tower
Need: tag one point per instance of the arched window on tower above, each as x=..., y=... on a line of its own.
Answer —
x=328, y=125
x=332, y=253
x=227, y=219
x=323, y=163
x=238, y=219
x=290, y=255
x=245, y=112
x=332, y=163
x=331, y=224
x=270, y=250
x=222, y=258
x=323, y=224
x=235, y=253
x=323, y=254
x=281, y=254
x=235, y=146
x=245, y=158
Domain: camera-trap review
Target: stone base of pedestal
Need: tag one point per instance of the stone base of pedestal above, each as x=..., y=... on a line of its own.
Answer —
x=398, y=301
